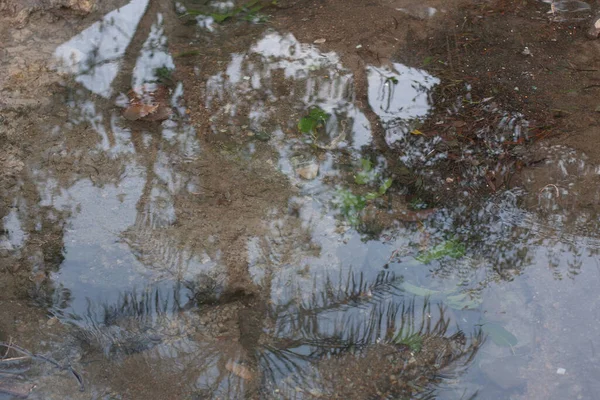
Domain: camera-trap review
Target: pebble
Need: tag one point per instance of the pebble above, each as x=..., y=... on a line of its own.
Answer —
x=308, y=172
x=526, y=51
x=594, y=31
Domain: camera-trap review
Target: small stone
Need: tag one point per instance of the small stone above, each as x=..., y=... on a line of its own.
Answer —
x=308, y=172
x=52, y=321
x=449, y=180
x=561, y=371
x=526, y=51
x=594, y=31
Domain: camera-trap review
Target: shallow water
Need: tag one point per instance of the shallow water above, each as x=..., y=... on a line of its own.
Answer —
x=228, y=255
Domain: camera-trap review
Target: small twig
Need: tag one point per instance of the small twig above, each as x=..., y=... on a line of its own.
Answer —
x=551, y=185
x=574, y=68
x=591, y=87
x=13, y=359
x=7, y=350
x=337, y=140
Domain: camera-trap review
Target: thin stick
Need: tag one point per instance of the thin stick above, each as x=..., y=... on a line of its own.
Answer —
x=14, y=359
x=551, y=185
x=7, y=350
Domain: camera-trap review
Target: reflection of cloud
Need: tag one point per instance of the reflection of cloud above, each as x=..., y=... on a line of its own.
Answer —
x=93, y=55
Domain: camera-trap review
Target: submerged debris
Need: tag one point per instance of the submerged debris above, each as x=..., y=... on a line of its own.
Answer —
x=148, y=104
x=18, y=390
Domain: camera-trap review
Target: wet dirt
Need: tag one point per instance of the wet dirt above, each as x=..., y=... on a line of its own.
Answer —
x=438, y=224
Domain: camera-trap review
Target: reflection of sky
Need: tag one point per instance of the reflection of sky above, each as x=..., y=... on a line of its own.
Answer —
x=408, y=98
x=12, y=225
x=93, y=55
x=296, y=59
x=113, y=245
x=95, y=266
x=153, y=55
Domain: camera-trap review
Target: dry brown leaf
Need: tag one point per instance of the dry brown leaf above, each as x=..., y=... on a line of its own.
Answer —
x=137, y=111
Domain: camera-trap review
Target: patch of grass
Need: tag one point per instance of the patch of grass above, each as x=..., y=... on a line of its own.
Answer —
x=414, y=341
x=427, y=60
x=248, y=11
x=418, y=204
x=449, y=248
x=315, y=119
x=351, y=204
x=366, y=173
x=188, y=53
x=383, y=188
x=257, y=18
x=163, y=72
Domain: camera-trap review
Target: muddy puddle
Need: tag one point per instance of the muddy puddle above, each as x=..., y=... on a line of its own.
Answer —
x=209, y=200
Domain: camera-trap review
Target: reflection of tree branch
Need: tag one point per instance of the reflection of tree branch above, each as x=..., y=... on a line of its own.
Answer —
x=356, y=292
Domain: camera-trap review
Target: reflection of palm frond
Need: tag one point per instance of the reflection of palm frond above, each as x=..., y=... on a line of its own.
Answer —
x=127, y=326
x=355, y=317
x=356, y=292
x=155, y=248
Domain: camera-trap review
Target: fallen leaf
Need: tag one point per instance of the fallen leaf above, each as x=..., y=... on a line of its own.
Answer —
x=419, y=291
x=149, y=105
x=320, y=41
x=416, y=132
x=499, y=335
x=137, y=111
